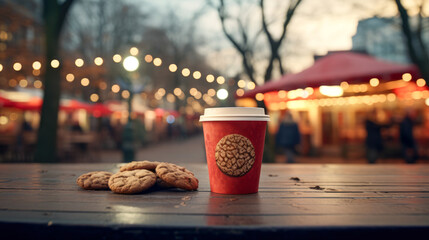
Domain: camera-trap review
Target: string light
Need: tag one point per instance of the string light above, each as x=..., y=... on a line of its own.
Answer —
x=196, y=75
x=55, y=63
x=157, y=62
x=13, y=83
x=220, y=80
x=134, y=51
x=23, y=83
x=421, y=82
x=177, y=91
x=116, y=88
x=125, y=94
x=117, y=58
x=98, y=61
x=17, y=66
x=36, y=65
x=37, y=84
x=172, y=67
x=171, y=98
x=79, y=62
x=406, y=77
x=222, y=94
x=344, y=85
x=1, y=67
x=70, y=77
x=259, y=96
x=102, y=85
x=241, y=83
x=211, y=92
x=374, y=82
x=282, y=94
x=148, y=58
x=251, y=85
x=186, y=72
x=210, y=78
x=94, y=97
x=84, y=82
x=239, y=92
x=36, y=72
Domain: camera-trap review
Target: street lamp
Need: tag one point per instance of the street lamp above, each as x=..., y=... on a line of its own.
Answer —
x=130, y=64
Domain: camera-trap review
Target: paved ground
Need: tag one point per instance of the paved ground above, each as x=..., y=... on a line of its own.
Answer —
x=192, y=151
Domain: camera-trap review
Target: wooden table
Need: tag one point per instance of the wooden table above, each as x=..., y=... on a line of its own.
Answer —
x=350, y=202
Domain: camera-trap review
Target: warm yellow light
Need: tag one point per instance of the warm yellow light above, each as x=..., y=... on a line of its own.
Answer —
x=374, y=82
x=131, y=63
x=363, y=88
x=134, y=51
x=79, y=62
x=331, y=91
x=241, y=83
x=17, y=66
x=259, y=96
x=98, y=61
x=344, y=85
x=171, y=98
x=421, y=82
x=23, y=83
x=3, y=120
x=196, y=75
x=55, y=63
x=220, y=80
x=222, y=94
x=157, y=62
x=210, y=78
x=391, y=97
x=186, y=72
x=177, y=91
x=1, y=67
x=102, y=85
x=148, y=58
x=125, y=94
x=116, y=88
x=37, y=84
x=427, y=101
x=84, y=82
x=211, y=92
x=94, y=97
x=36, y=72
x=70, y=77
x=193, y=91
x=251, y=85
x=239, y=92
x=36, y=65
x=310, y=90
x=416, y=95
x=172, y=67
x=161, y=91
x=117, y=58
x=13, y=83
x=198, y=95
x=282, y=94
x=406, y=77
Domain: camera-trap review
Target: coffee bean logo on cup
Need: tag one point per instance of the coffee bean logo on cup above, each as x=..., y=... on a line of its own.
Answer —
x=235, y=155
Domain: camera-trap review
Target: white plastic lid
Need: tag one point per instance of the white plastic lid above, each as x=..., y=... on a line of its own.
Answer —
x=234, y=114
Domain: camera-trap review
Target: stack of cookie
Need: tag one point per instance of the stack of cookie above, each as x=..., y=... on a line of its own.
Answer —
x=139, y=176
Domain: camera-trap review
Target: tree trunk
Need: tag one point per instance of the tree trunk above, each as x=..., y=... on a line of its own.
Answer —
x=54, y=15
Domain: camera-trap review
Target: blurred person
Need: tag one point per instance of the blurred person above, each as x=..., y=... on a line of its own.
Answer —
x=288, y=136
x=406, y=136
x=374, y=140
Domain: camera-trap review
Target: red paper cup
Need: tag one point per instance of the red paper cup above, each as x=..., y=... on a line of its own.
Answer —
x=234, y=141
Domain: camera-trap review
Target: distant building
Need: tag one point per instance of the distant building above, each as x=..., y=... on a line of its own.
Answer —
x=381, y=38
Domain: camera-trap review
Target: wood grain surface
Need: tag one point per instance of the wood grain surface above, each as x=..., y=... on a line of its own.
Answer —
x=328, y=201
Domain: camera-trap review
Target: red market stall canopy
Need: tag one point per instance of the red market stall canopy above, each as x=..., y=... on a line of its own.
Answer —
x=335, y=68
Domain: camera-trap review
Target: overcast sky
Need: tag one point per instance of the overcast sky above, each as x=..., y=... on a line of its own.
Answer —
x=317, y=27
